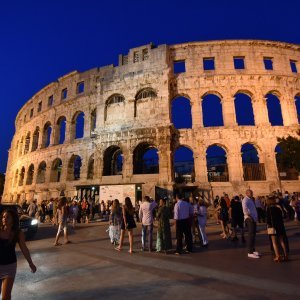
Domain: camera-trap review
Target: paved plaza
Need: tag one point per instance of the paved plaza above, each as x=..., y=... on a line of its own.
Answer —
x=90, y=268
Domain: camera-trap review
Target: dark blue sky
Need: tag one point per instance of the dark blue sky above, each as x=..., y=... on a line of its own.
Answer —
x=43, y=40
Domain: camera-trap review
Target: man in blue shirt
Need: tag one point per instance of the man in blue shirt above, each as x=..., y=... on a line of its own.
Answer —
x=183, y=212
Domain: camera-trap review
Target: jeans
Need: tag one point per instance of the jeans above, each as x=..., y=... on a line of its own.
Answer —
x=145, y=229
x=183, y=227
x=251, y=226
x=202, y=225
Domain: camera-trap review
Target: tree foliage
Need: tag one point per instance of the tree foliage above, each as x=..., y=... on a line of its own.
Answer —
x=289, y=156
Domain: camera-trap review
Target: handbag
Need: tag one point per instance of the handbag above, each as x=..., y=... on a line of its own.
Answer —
x=271, y=230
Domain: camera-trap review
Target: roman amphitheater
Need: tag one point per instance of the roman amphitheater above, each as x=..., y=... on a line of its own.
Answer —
x=91, y=133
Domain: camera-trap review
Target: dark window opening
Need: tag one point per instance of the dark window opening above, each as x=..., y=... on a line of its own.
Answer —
x=268, y=62
x=50, y=101
x=145, y=159
x=293, y=64
x=274, y=110
x=64, y=94
x=80, y=87
x=181, y=113
x=113, y=161
x=209, y=64
x=217, y=170
x=31, y=113
x=40, y=107
x=239, y=63
x=212, y=111
x=179, y=66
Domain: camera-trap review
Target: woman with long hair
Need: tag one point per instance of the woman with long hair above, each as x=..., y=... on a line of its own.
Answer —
x=224, y=218
x=10, y=234
x=62, y=217
x=115, y=219
x=127, y=223
x=276, y=229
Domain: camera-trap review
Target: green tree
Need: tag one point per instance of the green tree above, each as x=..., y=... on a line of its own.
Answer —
x=289, y=156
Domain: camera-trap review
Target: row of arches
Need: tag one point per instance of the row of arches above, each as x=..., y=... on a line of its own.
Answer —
x=212, y=110
x=146, y=161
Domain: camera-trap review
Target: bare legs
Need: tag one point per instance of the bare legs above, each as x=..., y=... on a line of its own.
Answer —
x=60, y=226
x=130, y=237
x=7, y=285
x=275, y=239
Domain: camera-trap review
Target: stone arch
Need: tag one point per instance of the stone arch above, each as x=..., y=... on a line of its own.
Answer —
x=30, y=174
x=41, y=172
x=22, y=176
x=47, y=132
x=212, y=110
x=74, y=168
x=61, y=130
x=181, y=112
x=243, y=109
x=35, y=139
x=274, y=108
x=183, y=164
x=27, y=143
x=212, y=92
x=112, y=161
x=285, y=170
x=216, y=159
x=56, y=169
x=297, y=105
x=253, y=170
x=113, y=103
x=91, y=164
x=142, y=96
x=77, y=126
x=145, y=159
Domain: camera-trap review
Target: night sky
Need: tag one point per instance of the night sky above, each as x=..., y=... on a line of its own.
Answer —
x=43, y=40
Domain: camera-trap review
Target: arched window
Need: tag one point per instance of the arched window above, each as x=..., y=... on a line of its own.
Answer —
x=243, y=110
x=21, y=147
x=113, y=107
x=27, y=143
x=35, y=139
x=181, y=113
x=113, y=161
x=16, y=178
x=78, y=126
x=145, y=159
x=41, y=173
x=56, y=170
x=90, y=174
x=285, y=168
x=253, y=169
x=216, y=160
x=47, y=135
x=297, y=104
x=144, y=94
x=274, y=110
x=93, y=120
x=22, y=175
x=61, y=134
x=74, y=168
x=30, y=174
x=212, y=111
x=183, y=165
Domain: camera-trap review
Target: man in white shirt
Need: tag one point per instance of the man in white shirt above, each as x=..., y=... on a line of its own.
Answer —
x=250, y=216
x=146, y=217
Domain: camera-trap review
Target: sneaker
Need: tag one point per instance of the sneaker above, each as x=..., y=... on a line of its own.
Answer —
x=252, y=255
x=256, y=253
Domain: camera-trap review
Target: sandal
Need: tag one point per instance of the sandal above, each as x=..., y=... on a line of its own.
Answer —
x=57, y=244
x=118, y=249
x=277, y=259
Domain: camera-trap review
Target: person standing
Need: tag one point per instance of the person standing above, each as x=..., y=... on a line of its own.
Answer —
x=115, y=222
x=183, y=212
x=146, y=216
x=10, y=235
x=127, y=223
x=164, y=240
x=250, y=216
x=237, y=218
x=32, y=209
x=202, y=219
x=62, y=217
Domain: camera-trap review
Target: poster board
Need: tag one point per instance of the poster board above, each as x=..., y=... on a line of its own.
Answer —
x=119, y=191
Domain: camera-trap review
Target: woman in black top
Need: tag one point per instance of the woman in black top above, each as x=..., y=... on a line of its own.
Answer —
x=127, y=223
x=10, y=234
x=275, y=220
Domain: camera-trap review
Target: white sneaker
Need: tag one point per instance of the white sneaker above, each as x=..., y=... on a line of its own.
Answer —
x=252, y=255
x=256, y=253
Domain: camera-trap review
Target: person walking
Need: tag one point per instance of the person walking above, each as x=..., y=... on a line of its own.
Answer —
x=183, y=212
x=146, y=216
x=115, y=219
x=62, y=217
x=250, y=216
x=202, y=219
x=224, y=218
x=127, y=223
x=10, y=235
x=32, y=209
x=164, y=240
x=276, y=229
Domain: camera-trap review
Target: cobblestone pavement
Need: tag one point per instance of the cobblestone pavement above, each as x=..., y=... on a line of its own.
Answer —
x=90, y=268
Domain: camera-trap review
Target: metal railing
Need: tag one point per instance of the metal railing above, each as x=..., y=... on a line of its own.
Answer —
x=254, y=171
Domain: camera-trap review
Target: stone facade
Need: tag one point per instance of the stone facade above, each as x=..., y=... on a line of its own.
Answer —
x=131, y=104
